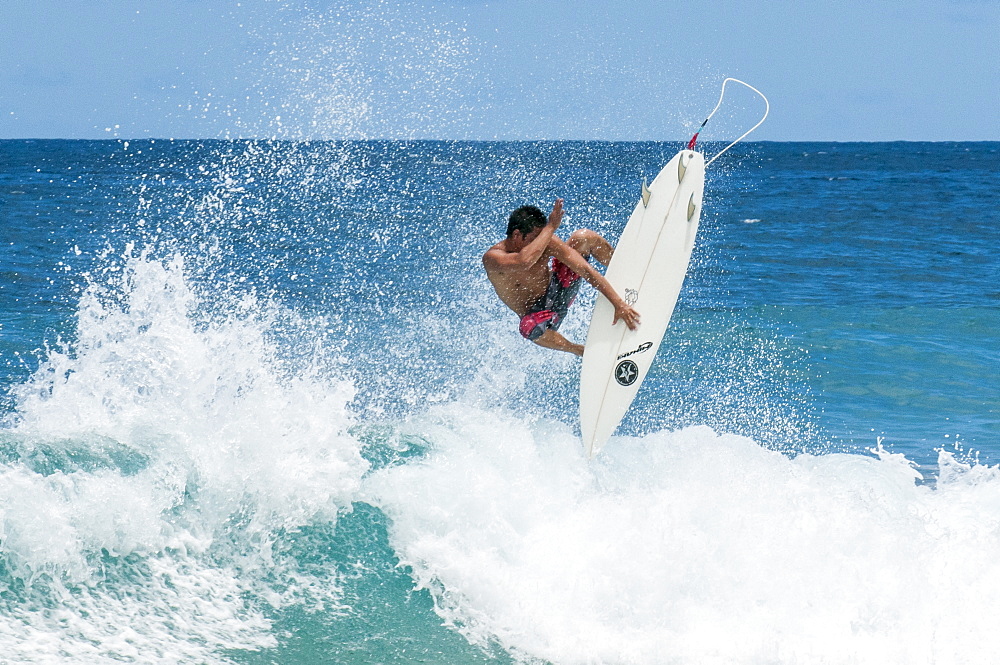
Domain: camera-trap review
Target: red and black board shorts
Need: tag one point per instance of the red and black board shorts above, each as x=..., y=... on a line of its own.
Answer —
x=550, y=310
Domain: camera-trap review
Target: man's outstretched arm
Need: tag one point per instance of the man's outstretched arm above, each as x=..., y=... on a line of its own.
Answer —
x=575, y=262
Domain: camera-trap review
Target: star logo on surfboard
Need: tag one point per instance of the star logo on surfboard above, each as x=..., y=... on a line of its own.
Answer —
x=626, y=373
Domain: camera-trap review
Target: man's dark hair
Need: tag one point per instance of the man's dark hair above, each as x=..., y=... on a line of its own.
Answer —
x=526, y=219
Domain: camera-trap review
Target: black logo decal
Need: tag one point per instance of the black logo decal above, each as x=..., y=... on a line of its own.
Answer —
x=645, y=346
x=631, y=297
x=626, y=373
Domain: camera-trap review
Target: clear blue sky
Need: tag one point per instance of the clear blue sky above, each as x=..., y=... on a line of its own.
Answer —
x=866, y=70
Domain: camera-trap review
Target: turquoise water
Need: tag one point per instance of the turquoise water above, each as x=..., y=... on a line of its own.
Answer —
x=261, y=406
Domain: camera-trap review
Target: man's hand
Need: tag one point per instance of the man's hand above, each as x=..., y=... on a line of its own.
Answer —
x=624, y=312
x=555, y=217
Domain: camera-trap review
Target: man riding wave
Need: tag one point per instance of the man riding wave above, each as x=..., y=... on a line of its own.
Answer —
x=538, y=275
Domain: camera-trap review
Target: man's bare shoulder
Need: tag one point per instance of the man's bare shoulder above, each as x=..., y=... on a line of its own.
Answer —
x=494, y=255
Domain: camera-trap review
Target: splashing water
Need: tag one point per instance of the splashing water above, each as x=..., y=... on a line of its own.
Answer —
x=691, y=546
x=170, y=452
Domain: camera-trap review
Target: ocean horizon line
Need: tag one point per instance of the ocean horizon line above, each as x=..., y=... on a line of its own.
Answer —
x=478, y=141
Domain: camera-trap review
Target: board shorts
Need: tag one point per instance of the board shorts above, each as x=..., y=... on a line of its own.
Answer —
x=550, y=310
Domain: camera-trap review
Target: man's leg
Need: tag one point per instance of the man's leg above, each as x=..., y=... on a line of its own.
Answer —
x=591, y=243
x=551, y=339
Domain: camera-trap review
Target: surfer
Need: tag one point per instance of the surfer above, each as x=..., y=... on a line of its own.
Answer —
x=538, y=275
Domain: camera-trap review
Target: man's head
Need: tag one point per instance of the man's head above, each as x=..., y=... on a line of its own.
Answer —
x=525, y=219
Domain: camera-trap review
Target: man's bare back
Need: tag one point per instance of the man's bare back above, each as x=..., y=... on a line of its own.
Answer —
x=518, y=268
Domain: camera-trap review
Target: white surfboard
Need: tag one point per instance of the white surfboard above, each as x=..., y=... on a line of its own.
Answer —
x=647, y=270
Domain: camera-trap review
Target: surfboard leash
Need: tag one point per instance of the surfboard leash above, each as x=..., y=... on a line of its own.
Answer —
x=767, y=108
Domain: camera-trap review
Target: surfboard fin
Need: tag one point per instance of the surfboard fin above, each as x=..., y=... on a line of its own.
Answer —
x=681, y=168
x=645, y=194
x=691, y=207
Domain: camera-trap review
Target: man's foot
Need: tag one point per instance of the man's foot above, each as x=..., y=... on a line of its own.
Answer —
x=553, y=340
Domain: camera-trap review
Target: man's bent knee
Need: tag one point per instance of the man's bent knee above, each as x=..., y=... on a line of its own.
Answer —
x=591, y=243
x=584, y=236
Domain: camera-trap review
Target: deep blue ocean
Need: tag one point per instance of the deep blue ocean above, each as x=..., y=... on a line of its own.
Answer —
x=260, y=405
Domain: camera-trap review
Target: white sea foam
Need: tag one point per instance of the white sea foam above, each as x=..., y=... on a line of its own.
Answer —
x=693, y=547
x=173, y=447
x=181, y=611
